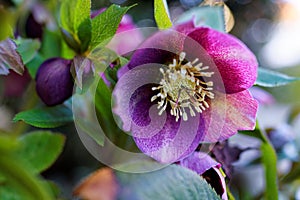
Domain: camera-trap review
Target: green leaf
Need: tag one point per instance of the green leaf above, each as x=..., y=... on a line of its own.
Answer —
x=161, y=14
x=41, y=149
x=17, y=180
x=27, y=48
x=8, y=192
x=51, y=44
x=85, y=34
x=105, y=25
x=103, y=99
x=7, y=144
x=73, y=14
x=75, y=19
x=212, y=16
x=70, y=40
x=46, y=117
x=269, y=78
x=67, y=16
x=34, y=65
x=268, y=159
x=91, y=130
x=177, y=183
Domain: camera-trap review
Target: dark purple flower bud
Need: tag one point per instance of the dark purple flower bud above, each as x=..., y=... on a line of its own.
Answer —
x=32, y=22
x=32, y=28
x=54, y=83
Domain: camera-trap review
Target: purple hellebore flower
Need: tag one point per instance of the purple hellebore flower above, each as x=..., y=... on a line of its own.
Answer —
x=54, y=83
x=209, y=169
x=199, y=78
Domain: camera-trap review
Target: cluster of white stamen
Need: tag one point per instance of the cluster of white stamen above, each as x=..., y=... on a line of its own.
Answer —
x=182, y=86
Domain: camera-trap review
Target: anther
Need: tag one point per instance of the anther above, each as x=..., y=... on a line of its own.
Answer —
x=182, y=87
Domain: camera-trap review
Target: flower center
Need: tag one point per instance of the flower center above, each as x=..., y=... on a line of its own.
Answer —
x=183, y=88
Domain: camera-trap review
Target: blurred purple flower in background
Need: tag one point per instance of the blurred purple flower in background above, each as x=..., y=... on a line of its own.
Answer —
x=128, y=37
x=203, y=76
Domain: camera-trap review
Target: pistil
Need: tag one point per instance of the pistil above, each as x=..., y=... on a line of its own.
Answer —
x=183, y=88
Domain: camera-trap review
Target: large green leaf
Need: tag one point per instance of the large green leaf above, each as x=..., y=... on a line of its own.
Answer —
x=212, y=16
x=40, y=149
x=46, y=117
x=17, y=180
x=173, y=182
x=105, y=25
x=161, y=14
x=269, y=78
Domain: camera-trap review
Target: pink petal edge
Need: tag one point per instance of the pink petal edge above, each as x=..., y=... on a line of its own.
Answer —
x=236, y=63
x=240, y=110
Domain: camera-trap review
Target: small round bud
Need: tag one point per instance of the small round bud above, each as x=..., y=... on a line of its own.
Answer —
x=54, y=83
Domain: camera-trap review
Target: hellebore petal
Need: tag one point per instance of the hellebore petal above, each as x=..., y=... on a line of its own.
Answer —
x=262, y=96
x=185, y=27
x=236, y=63
x=159, y=136
x=209, y=169
x=240, y=114
x=199, y=162
x=123, y=70
x=173, y=141
x=54, y=83
x=160, y=48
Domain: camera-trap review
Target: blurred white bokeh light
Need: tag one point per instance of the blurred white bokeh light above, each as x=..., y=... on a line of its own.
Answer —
x=283, y=49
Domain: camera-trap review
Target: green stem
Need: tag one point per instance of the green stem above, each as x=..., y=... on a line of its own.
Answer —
x=269, y=160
